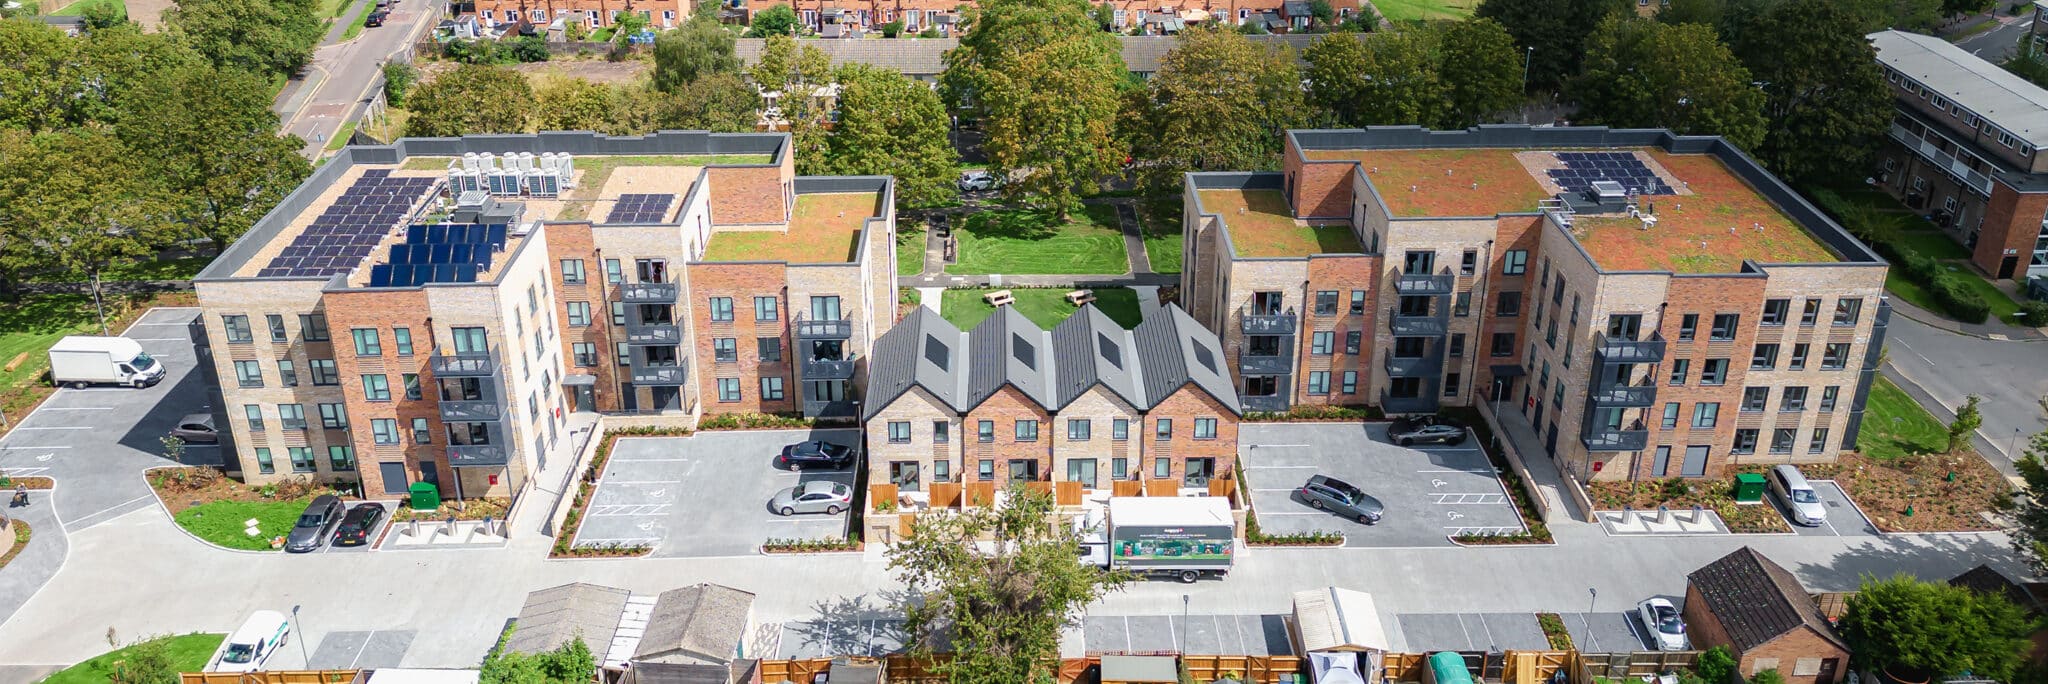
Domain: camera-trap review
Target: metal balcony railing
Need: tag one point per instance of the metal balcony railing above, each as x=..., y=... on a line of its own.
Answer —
x=648, y=293
x=1427, y=365
x=1411, y=325
x=1271, y=403
x=827, y=369
x=822, y=329
x=821, y=408
x=1930, y=148
x=1394, y=405
x=1604, y=439
x=476, y=455
x=653, y=333
x=470, y=411
x=1266, y=323
x=1264, y=364
x=1424, y=284
x=1611, y=350
x=660, y=375
x=1623, y=396
x=462, y=366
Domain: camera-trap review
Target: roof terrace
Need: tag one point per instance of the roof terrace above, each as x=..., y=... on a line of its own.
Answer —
x=824, y=230
x=1262, y=225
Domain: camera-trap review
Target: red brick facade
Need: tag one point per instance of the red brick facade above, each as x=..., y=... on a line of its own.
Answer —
x=1317, y=189
x=1185, y=406
x=2012, y=223
x=1007, y=406
x=1782, y=653
x=1344, y=275
x=1704, y=296
x=383, y=311
x=742, y=282
x=572, y=241
x=1515, y=233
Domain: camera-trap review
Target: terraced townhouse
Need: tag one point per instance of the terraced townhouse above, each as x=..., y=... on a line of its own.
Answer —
x=435, y=309
x=1650, y=305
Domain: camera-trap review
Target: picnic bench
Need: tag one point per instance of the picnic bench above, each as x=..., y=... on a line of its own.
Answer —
x=1079, y=297
x=999, y=298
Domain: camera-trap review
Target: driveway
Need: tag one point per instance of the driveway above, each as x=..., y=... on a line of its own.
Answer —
x=705, y=495
x=1430, y=492
x=1844, y=519
x=1468, y=632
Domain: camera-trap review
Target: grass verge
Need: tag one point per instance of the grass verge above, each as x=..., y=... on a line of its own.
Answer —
x=1160, y=219
x=1026, y=241
x=77, y=9
x=1045, y=306
x=355, y=26
x=340, y=139
x=220, y=522
x=1425, y=10
x=1895, y=426
x=909, y=251
x=188, y=653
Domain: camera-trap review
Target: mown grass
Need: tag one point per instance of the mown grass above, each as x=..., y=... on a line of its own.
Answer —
x=965, y=308
x=220, y=522
x=1026, y=241
x=188, y=653
x=1895, y=426
x=1161, y=225
x=1424, y=10
x=909, y=251
x=77, y=9
x=32, y=325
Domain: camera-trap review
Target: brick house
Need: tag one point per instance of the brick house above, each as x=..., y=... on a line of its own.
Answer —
x=1761, y=613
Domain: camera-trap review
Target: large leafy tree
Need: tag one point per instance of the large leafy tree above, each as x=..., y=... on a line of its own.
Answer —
x=270, y=37
x=1557, y=29
x=1644, y=74
x=1381, y=79
x=41, y=84
x=699, y=48
x=571, y=663
x=85, y=204
x=473, y=98
x=1823, y=93
x=1218, y=102
x=778, y=20
x=2030, y=538
x=1908, y=626
x=565, y=103
x=1480, y=71
x=212, y=143
x=892, y=125
x=1045, y=84
x=1002, y=602
x=800, y=74
x=720, y=102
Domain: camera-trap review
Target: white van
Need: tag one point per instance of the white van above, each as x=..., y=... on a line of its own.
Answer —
x=1799, y=498
x=245, y=651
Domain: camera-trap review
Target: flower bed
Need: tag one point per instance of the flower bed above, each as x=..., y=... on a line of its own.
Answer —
x=1679, y=493
x=22, y=532
x=826, y=545
x=1932, y=493
x=1314, y=414
x=1253, y=536
x=565, y=538
x=38, y=483
x=752, y=421
x=1553, y=630
x=495, y=508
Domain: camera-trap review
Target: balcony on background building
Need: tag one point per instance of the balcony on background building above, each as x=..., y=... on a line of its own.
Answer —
x=1608, y=350
x=1275, y=323
x=462, y=366
x=1411, y=325
x=1424, y=284
x=1607, y=439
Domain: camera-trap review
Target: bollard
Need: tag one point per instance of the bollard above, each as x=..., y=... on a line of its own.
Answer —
x=1663, y=515
x=1699, y=514
x=415, y=528
x=450, y=528
x=487, y=526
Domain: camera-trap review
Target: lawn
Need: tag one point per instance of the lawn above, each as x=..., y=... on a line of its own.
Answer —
x=909, y=250
x=340, y=139
x=355, y=26
x=1044, y=306
x=32, y=326
x=1895, y=426
x=1423, y=10
x=188, y=653
x=1916, y=234
x=182, y=268
x=220, y=522
x=826, y=229
x=1260, y=225
x=1161, y=223
x=1034, y=242
x=77, y=9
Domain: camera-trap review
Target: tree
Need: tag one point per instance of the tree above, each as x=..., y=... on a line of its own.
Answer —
x=1557, y=29
x=1950, y=8
x=1708, y=12
x=1911, y=627
x=398, y=80
x=799, y=73
x=40, y=86
x=719, y=102
x=571, y=663
x=1382, y=79
x=563, y=103
x=778, y=20
x=1219, y=102
x=274, y=38
x=628, y=24
x=1968, y=419
x=1767, y=676
x=683, y=55
x=1481, y=74
x=104, y=15
x=2030, y=537
x=1823, y=93
x=473, y=98
x=1322, y=12
x=144, y=662
x=1717, y=665
x=1003, y=604
x=89, y=205
x=1105, y=16
x=892, y=125
x=125, y=65
x=209, y=138
x=1643, y=74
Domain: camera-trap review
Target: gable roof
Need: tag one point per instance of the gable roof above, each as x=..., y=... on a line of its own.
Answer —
x=556, y=615
x=1175, y=351
x=701, y=624
x=922, y=350
x=1756, y=600
x=1986, y=580
x=1008, y=349
x=1090, y=350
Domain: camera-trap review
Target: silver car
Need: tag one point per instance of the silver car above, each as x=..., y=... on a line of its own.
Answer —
x=1801, y=502
x=817, y=496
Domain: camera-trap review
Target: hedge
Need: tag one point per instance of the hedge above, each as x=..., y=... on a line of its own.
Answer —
x=1949, y=291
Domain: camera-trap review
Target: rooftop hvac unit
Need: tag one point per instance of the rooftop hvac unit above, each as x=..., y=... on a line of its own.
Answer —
x=566, y=165
x=502, y=183
x=470, y=162
x=472, y=181
x=525, y=161
x=543, y=183
x=547, y=161
x=486, y=162
x=472, y=199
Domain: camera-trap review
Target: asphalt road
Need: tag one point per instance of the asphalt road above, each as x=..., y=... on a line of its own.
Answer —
x=2011, y=376
x=343, y=74
x=1997, y=44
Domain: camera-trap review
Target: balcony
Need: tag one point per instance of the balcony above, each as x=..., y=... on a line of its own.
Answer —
x=1274, y=403
x=1623, y=396
x=660, y=375
x=1605, y=439
x=1410, y=325
x=822, y=408
x=470, y=411
x=653, y=333
x=828, y=369
x=1424, y=284
x=1930, y=148
x=1393, y=405
x=1609, y=350
x=1264, y=364
x=1427, y=365
x=462, y=366
x=1275, y=323
x=648, y=293
x=822, y=329
x=476, y=455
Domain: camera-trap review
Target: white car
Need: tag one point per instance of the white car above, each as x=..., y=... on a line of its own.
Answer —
x=972, y=181
x=1667, y=627
x=1789, y=485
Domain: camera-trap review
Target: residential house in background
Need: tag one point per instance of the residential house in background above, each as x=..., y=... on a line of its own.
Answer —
x=1765, y=617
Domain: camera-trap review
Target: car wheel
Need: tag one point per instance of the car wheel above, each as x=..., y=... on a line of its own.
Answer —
x=1189, y=576
x=1315, y=504
x=1365, y=519
x=80, y=385
x=139, y=384
x=831, y=510
x=796, y=467
x=788, y=511
x=1404, y=441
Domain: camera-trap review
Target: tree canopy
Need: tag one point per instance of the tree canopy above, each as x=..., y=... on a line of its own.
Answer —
x=1444, y=75
x=1823, y=93
x=1557, y=29
x=473, y=98
x=693, y=51
x=1218, y=102
x=2030, y=538
x=1935, y=629
x=269, y=37
x=799, y=74
x=1644, y=74
x=778, y=20
x=893, y=125
x=572, y=663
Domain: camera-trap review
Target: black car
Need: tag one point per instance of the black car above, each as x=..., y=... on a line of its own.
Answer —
x=374, y=20
x=315, y=524
x=816, y=454
x=357, y=524
x=1337, y=496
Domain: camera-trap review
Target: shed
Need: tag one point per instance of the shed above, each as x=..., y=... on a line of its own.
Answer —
x=1334, y=619
x=703, y=624
x=556, y=615
x=1129, y=669
x=1760, y=612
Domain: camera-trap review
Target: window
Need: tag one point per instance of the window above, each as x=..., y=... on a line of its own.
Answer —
x=1457, y=349
x=1775, y=311
x=411, y=383
x=421, y=433
x=302, y=459
x=1163, y=428
x=1350, y=381
x=624, y=353
x=770, y=349
x=1319, y=382
x=1828, y=395
x=1811, y=313
x=1705, y=414
x=1724, y=327
x=1688, y=326
x=940, y=434
x=1835, y=356
x=276, y=327
x=1745, y=442
x=1503, y=344
x=402, y=337
x=384, y=430
x=376, y=388
x=1352, y=340
x=1162, y=468
x=253, y=412
x=825, y=308
x=612, y=272
x=1077, y=429
x=341, y=458
x=572, y=271
x=579, y=314
x=1514, y=262
x=725, y=350
x=1326, y=302
x=985, y=431
x=1679, y=368
x=721, y=309
x=651, y=270
x=766, y=308
x=1781, y=440
x=313, y=327
x=366, y=341
x=771, y=389
x=1715, y=372
x=249, y=373
x=1763, y=357
x=470, y=340
x=1793, y=399
x=292, y=416
x=1358, y=301
x=942, y=471
x=1027, y=430
x=1509, y=305
x=1119, y=468
x=728, y=390
x=1120, y=429
x=986, y=468
x=1452, y=381
x=584, y=353
x=1461, y=305
x=1819, y=442
x=287, y=373
x=263, y=462
x=1670, y=415
x=899, y=432
x=1847, y=311
x=1798, y=361
x=1470, y=263
x=1754, y=398
x=1320, y=343
x=238, y=329
x=333, y=416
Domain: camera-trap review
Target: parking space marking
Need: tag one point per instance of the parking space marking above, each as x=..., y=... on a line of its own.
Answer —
x=622, y=510
x=581, y=540
x=81, y=427
x=1473, y=499
x=643, y=482
x=78, y=408
x=1481, y=530
x=1279, y=467
x=1263, y=514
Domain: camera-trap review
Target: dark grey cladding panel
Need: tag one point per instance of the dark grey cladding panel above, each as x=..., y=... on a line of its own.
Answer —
x=1256, y=180
x=806, y=185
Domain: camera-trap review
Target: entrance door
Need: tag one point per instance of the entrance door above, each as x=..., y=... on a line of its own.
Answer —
x=1827, y=670
x=1081, y=470
x=394, y=477
x=1550, y=443
x=1024, y=470
x=586, y=398
x=1695, y=462
x=429, y=475
x=2006, y=267
x=629, y=397
x=668, y=398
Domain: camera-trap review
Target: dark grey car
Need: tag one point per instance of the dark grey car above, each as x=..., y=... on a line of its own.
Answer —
x=1412, y=431
x=1337, y=496
x=314, y=525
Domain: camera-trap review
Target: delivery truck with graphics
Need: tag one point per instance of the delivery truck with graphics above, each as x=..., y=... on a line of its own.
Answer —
x=1185, y=538
x=80, y=360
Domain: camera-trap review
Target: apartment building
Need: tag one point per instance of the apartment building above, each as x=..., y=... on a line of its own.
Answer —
x=1966, y=150
x=1618, y=289
x=1087, y=402
x=852, y=18
x=434, y=309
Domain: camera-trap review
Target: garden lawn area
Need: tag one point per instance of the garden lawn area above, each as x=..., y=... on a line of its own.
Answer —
x=340, y=139
x=1423, y=10
x=1161, y=222
x=220, y=522
x=34, y=324
x=909, y=251
x=965, y=309
x=1028, y=241
x=188, y=653
x=77, y=9
x=1895, y=426
x=182, y=268
x=1916, y=234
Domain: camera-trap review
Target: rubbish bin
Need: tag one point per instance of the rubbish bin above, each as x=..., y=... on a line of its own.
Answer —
x=427, y=497
x=1749, y=488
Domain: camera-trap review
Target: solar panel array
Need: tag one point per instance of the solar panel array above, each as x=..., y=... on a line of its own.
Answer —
x=441, y=253
x=1582, y=169
x=640, y=208
x=351, y=226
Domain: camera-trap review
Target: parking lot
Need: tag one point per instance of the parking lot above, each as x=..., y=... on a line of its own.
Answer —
x=706, y=495
x=1843, y=518
x=1430, y=492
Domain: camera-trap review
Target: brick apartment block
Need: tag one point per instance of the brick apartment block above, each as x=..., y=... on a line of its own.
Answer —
x=1967, y=150
x=1650, y=304
x=1088, y=402
x=848, y=18
x=381, y=325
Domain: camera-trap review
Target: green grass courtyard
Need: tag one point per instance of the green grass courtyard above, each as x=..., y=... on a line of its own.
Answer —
x=1161, y=221
x=1426, y=10
x=187, y=653
x=1025, y=241
x=1895, y=426
x=77, y=9
x=965, y=308
x=220, y=522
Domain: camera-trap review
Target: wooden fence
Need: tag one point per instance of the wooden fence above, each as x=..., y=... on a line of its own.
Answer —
x=1631, y=665
x=1263, y=669
x=274, y=677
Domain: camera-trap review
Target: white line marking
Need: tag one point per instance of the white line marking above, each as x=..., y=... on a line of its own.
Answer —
x=1276, y=446
x=81, y=427
x=78, y=408
x=642, y=482
x=1279, y=467
x=359, y=651
x=69, y=529
x=33, y=448
x=1282, y=489
x=1263, y=514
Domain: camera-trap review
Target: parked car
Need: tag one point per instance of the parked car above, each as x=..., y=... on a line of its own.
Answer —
x=816, y=454
x=196, y=428
x=1426, y=430
x=973, y=181
x=1666, y=627
x=375, y=19
x=251, y=644
x=818, y=496
x=1326, y=493
x=1801, y=502
x=314, y=525
x=357, y=524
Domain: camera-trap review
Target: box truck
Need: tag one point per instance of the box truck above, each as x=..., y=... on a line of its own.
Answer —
x=81, y=360
x=1185, y=538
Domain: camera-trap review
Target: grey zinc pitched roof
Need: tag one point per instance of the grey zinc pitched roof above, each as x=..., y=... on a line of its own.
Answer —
x=1756, y=600
x=1091, y=349
x=1175, y=351
x=922, y=350
x=1008, y=348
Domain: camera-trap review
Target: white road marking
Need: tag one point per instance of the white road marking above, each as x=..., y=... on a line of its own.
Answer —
x=586, y=541
x=1264, y=514
x=81, y=427
x=32, y=448
x=1280, y=467
x=1471, y=499
x=642, y=482
x=359, y=651
x=78, y=408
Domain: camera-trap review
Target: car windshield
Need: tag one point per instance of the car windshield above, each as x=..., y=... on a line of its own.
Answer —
x=1804, y=496
x=312, y=520
x=143, y=361
x=1668, y=622
x=238, y=653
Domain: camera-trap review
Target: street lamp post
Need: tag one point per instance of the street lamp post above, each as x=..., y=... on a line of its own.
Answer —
x=297, y=626
x=1527, y=57
x=2012, y=453
x=1182, y=645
